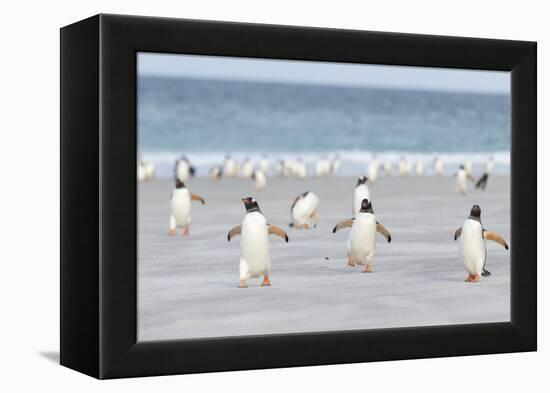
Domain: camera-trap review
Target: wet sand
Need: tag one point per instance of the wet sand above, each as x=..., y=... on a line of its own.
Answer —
x=188, y=287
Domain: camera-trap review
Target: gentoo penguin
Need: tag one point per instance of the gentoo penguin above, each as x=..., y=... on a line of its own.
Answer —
x=462, y=178
x=438, y=166
x=387, y=168
x=419, y=168
x=374, y=167
x=482, y=182
x=183, y=169
x=260, y=179
x=335, y=165
x=322, y=167
x=215, y=172
x=403, y=167
x=254, y=233
x=303, y=211
x=362, y=238
x=247, y=168
x=230, y=168
x=361, y=192
x=468, y=166
x=180, y=203
x=141, y=175
x=300, y=169
x=473, y=247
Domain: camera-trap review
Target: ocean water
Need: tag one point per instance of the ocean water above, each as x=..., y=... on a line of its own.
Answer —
x=208, y=119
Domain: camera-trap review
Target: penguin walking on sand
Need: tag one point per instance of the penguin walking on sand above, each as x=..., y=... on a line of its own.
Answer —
x=254, y=231
x=264, y=164
x=361, y=192
x=438, y=166
x=482, y=182
x=462, y=178
x=374, y=167
x=180, y=203
x=419, y=168
x=215, y=172
x=335, y=165
x=468, y=166
x=231, y=167
x=473, y=247
x=362, y=238
x=303, y=211
x=260, y=179
x=387, y=168
x=184, y=170
x=247, y=169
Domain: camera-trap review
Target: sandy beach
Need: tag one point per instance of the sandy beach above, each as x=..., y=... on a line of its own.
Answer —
x=188, y=287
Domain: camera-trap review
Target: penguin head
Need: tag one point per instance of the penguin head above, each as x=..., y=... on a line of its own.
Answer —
x=251, y=205
x=362, y=180
x=366, y=206
x=179, y=184
x=475, y=212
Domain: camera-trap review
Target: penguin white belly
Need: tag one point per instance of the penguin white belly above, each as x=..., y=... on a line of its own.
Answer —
x=362, y=238
x=373, y=172
x=472, y=246
x=461, y=184
x=361, y=192
x=141, y=173
x=181, y=207
x=303, y=209
x=246, y=169
x=261, y=180
x=255, y=259
x=182, y=170
x=439, y=168
x=230, y=168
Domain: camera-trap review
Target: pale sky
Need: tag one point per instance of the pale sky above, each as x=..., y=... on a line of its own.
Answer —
x=309, y=72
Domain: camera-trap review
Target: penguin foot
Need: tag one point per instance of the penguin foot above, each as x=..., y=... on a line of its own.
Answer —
x=351, y=262
x=486, y=273
x=306, y=226
x=185, y=232
x=171, y=232
x=368, y=269
x=266, y=282
x=472, y=278
x=242, y=284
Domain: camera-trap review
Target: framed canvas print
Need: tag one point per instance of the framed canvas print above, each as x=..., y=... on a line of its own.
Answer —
x=239, y=196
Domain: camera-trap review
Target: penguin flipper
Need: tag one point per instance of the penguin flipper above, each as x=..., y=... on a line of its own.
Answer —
x=381, y=229
x=234, y=232
x=275, y=230
x=195, y=197
x=495, y=237
x=343, y=224
x=458, y=232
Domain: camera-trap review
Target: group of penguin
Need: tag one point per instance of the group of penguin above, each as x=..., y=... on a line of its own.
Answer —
x=254, y=232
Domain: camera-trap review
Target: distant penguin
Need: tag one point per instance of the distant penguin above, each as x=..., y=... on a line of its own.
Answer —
x=462, y=178
x=362, y=238
x=473, y=247
x=184, y=170
x=468, y=166
x=300, y=169
x=230, y=168
x=149, y=169
x=215, y=172
x=438, y=166
x=374, y=167
x=260, y=179
x=141, y=175
x=419, y=168
x=335, y=165
x=482, y=182
x=322, y=167
x=180, y=203
x=247, y=168
x=254, y=230
x=303, y=211
x=403, y=167
x=361, y=192
x=387, y=168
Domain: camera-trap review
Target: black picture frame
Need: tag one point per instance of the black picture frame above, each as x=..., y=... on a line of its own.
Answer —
x=98, y=196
